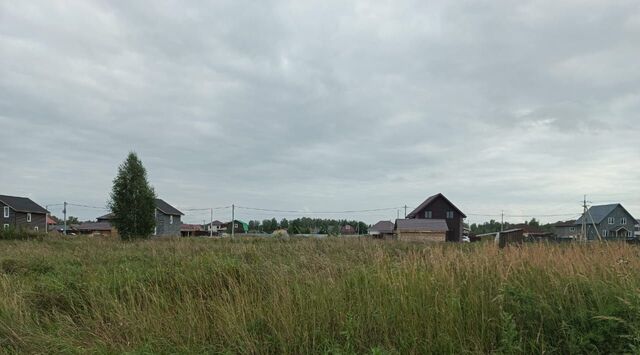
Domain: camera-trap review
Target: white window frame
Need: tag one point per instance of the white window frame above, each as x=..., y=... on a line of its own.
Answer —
x=612, y=220
x=235, y=225
x=428, y=214
x=35, y=229
x=170, y=219
x=623, y=220
x=605, y=233
x=5, y=227
x=6, y=212
x=28, y=216
x=572, y=229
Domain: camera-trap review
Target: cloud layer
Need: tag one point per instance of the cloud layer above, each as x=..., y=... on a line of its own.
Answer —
x=334, y=105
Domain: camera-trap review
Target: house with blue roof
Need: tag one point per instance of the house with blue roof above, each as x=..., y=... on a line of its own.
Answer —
x=609, y=221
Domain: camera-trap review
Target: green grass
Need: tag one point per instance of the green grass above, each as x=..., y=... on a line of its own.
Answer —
x=297, y=296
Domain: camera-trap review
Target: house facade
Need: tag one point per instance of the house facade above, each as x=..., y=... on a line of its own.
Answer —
x=421, y=230
x=168, y=219
x=22, y=213
x=382, y=229
x=566, y=230
x=439, y=207
x=609, y=222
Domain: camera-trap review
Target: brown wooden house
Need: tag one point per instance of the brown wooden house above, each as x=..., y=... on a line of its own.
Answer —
x=439, y=207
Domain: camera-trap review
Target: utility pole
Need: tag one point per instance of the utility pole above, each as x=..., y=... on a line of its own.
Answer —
x=211, y=224
x=64, y=212
x=397, y=214
x=46, y=220
x=233, y=221
x=405, y=211
x=583, y=236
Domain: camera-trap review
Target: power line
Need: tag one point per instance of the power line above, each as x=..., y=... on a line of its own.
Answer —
x=317, y=212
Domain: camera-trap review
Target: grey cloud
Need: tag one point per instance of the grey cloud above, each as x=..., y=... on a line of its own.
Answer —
x=324, y=106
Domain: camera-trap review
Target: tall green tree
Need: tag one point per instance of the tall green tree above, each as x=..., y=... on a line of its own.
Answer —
x=133, y=200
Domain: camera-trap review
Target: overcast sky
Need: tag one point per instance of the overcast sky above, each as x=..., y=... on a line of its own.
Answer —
x=328, y=106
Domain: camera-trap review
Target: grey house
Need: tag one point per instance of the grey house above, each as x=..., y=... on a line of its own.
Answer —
x=167, y=217
x=22, y=213
x=566, y=230
x=610, y=221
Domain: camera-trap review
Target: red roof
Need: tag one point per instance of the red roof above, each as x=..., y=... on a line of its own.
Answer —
x=50, y=221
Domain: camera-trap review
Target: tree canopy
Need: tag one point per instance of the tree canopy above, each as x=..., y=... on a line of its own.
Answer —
x=133, y=200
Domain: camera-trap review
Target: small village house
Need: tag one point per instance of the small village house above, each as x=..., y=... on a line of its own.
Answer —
x=438, y=207
x=607, y=222
x=382, y=229
x=214, y=227
x=22, y=213
x=514, y=236
x=566, y=230
x=421, y=230
x=96, y=229
x=347, y=229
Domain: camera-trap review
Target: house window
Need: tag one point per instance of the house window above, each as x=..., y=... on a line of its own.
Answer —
x=572, y=229
x=6, y=211
x=449, y=214
x=35, y=228
x=428, y=214
x=605, y=233
x=235, y=225
x=170, y=219
x=28, y=217
x=612, y=220
x=623, y=220
x=6, y=226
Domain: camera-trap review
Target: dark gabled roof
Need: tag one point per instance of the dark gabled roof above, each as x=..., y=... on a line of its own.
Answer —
x=596, y=214
x=167, y=208
x=428, y=201
x=421, y=225
x=382, y=227
x=190, y=227
x=108, y=216
x=22, y=204
x=571, y=223
x=94, y=226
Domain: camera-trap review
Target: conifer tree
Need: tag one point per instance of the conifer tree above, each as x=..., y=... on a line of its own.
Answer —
x=133, y=200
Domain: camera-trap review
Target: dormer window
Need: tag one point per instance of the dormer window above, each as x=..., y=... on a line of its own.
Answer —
x=428, y=214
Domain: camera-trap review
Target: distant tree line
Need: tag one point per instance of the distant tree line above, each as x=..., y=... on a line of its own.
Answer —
x=307, y=225
x=494, y=226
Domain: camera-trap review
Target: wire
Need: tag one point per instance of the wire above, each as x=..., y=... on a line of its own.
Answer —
x=318, y=212
x=87, y=206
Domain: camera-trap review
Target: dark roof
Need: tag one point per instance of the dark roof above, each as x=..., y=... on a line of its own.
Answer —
x=22, y=204
x=107, y=217
x=382, y=227
x=527, y=228
x=421, y=225
x=595, y=214
x=167, y=208
x=428, y=201
x=190, y=227
x=571, y=223
x=512, y=230
x=94, y=226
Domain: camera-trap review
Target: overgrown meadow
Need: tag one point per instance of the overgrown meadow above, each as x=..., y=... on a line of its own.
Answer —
x=299, y=296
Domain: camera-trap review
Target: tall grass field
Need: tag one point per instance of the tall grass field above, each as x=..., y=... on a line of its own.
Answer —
x=312, y=296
